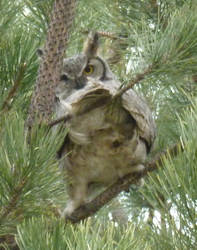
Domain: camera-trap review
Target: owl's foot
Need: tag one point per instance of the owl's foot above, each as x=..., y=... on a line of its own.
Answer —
x=140, y=182
x=78, y=194
x=70, y=208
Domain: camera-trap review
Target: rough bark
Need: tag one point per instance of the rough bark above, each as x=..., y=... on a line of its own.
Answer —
x=43, y=98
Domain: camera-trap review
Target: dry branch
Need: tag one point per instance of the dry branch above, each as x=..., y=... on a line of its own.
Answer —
x=122, y=184
x=105, y=34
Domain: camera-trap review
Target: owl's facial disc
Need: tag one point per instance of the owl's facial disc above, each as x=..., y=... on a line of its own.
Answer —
x=95, y=69
x=74, y=66
x=77, y=71
x=72, y=83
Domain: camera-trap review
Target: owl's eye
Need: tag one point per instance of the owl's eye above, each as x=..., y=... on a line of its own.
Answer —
x=89, y=69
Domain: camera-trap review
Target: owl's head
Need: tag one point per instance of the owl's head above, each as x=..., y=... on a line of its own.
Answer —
x=83, y=69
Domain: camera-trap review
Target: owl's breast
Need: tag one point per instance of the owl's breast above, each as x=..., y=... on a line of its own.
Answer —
x=102, y=149
x=106, y=140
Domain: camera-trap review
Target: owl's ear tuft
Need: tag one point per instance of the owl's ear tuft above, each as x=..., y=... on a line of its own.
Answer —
x=64, y=77
x=91, y=45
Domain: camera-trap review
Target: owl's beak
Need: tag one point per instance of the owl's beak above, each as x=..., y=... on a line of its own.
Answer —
x=80, y=82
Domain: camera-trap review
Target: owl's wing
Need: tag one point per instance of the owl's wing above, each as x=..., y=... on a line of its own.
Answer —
x=133, y=103
x=97, y=93
x=140, y=111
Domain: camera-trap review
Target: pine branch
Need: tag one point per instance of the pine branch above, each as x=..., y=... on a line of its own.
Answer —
x=139, y=77
x=122, y=184
x=51, y=61
x=12, y=92
x=8, y=240
x=13, y=201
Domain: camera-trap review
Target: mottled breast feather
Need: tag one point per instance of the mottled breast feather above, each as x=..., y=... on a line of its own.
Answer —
x=133, y=103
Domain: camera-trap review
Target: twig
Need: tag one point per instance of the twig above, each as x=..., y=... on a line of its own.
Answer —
x=105, y=34
x=15, y=87
x=174, y=150
x=64, y=118
x=139, y=77
x=122, y=184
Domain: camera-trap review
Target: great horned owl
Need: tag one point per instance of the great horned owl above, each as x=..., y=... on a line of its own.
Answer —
x=106, y=138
